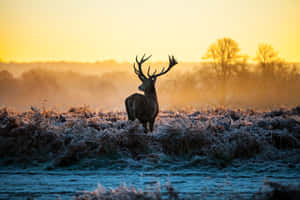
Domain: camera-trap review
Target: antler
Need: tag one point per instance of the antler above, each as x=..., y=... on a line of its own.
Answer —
x=172, y=62
x=139, y=71
x=142, y=76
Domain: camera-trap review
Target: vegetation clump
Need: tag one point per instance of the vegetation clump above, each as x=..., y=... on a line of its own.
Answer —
x=68, y=137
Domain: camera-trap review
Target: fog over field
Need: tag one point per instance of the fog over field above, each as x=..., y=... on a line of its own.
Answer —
x=105, y=85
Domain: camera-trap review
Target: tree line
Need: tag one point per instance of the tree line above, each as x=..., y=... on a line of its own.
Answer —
x=227, y=61
x=228, y=78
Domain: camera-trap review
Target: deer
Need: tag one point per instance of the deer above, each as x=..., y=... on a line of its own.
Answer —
x=145, y=107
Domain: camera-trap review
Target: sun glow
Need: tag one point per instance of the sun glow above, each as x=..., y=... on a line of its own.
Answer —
x=75, y=30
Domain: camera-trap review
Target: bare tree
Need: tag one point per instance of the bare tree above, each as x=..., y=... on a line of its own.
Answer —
x=225, y=56
x=268, y=59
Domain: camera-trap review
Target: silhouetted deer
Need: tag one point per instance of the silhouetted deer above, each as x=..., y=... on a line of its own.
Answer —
x=145, y=107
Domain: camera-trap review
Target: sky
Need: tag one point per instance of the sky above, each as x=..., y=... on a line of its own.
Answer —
x=95, y=30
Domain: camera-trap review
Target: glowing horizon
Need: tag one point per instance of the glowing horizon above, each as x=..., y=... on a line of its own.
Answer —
x=90, y=31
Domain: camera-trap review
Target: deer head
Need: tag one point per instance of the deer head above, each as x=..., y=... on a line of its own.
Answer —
x=148, y=82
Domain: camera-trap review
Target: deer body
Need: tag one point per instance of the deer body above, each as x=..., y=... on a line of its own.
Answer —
x=142, y=107
x=145, y=107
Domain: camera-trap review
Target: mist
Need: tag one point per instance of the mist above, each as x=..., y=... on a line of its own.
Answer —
x=105, y=85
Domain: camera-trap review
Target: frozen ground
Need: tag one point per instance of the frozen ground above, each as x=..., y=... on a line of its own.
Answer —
x=210, y=152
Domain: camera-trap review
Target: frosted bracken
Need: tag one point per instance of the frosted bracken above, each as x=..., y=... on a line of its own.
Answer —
x=269, y=191
x=80, y=133
x=126, y=193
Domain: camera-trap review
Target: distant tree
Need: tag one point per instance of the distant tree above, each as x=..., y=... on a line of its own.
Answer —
x=266, y=54
x=5, y=75
x=276, y=74
x=225, y=56
x=294, y=75
x=268, y=60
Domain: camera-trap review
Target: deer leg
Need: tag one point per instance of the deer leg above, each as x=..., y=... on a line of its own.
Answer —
x=129, y=110
x=145, y=127
x=151, y=125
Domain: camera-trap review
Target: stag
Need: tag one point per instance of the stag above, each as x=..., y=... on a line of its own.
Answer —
x=145, y=107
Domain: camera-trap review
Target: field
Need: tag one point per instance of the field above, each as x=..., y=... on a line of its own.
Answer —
x=218, y=138
x=64, y=130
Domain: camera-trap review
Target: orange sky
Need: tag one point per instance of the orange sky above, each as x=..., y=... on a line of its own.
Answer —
x=90, y=30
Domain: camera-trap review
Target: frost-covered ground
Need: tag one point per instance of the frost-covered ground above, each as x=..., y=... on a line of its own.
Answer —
x=248, y=143
x=269, y=191
x=65, y=138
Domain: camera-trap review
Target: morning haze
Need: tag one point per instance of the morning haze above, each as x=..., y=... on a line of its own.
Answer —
x=70, y=53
